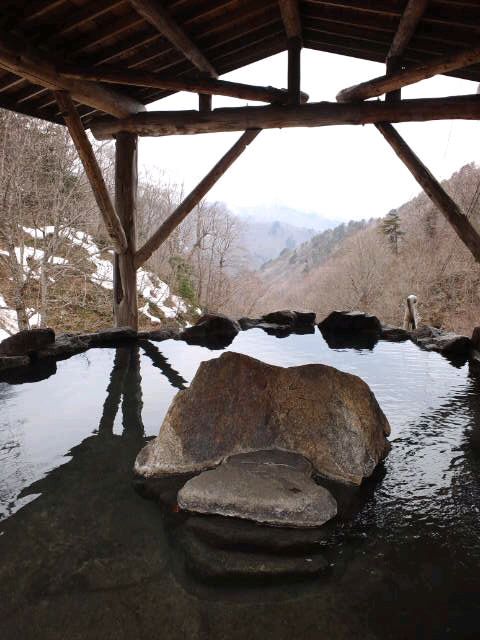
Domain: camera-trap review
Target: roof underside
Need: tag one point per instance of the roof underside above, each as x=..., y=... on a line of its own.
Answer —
x=230, y=33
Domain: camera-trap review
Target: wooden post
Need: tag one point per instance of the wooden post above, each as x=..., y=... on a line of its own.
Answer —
x=294, y=53
x=125, y=273
x=393, y=65
x=204, y=102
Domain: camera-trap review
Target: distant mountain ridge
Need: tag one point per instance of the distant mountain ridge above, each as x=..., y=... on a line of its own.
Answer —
x=287, y=215
x=266, y=240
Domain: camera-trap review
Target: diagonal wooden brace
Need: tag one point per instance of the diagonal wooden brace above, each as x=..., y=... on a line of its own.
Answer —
x=93, y=171
x=194, y=197
x=459, y=221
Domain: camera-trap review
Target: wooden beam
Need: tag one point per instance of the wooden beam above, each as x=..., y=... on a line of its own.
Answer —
x=92, y=170
x=156, y=15
x=291, y=18
x=408, y=23
x=194, y=197
x=402, y=78
x=164, y=123
x=464, y=229
x=171, y=83
x=125, y=273
x=294, y=60
x=21, y=59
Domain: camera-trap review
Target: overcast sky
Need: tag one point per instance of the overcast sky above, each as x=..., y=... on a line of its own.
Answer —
x=343, y=172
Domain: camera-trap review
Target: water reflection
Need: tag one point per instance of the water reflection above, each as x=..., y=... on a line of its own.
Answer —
x=91, y=556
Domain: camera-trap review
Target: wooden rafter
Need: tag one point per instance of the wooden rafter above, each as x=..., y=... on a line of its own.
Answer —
x=156, y=15
x=161, y=123
x=199, y=192
x=209, y=86
x=93, y=171
x=408, y=23
x=459, y=221
x=291, y=18
x=20, y=58
x=384, y=84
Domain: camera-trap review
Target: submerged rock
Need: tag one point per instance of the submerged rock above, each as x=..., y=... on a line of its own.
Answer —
x=267, y=487
x=213, y=330
x=211, y=563
x=238, y=404
x=26, y=342
x=233, y=533
x=351, y=322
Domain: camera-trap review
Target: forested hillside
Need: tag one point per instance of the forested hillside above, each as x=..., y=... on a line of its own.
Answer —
x=373, y=266
x=56, y=262
x=55, y=259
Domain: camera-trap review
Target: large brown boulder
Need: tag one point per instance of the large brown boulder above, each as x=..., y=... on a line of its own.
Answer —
x=238, y=404
x=25, y=342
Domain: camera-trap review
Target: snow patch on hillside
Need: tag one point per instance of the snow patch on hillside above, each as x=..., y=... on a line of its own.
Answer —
x=153, y=290
x=8, y=320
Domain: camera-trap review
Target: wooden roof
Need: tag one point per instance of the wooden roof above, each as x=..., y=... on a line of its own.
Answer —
x=229, y=33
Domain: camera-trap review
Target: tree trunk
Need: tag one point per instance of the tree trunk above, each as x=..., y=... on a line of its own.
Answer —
x=125, y=274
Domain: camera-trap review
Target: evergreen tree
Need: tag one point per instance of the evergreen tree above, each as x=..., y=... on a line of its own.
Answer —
x=390, y=227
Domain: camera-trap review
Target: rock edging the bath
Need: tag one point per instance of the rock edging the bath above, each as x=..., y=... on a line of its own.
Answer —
x=269, y=487
x=281, y=323
x=211, y=329
x=25, y=342
x=237, y=404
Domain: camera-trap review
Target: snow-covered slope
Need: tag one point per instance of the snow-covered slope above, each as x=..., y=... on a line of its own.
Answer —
x=156, y=301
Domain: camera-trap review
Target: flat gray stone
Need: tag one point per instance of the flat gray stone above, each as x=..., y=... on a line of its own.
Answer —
x=272, y=494
x=274, y=458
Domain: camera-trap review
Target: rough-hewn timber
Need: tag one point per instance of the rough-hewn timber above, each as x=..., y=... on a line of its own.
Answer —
x=398, y=79
x=163, y=123
x=210, y=86
x=156, y=15
x=92, y=170
x=408, y=23
x=194, y=198
x=291, y=18
x=464, y=229
x=22, y=59
x=125, y=273
x=294, y=59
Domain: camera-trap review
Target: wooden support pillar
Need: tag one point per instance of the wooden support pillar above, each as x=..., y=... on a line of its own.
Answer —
x=294, y=53
x=204, y=102
x=125, y=273
x=393, y=65
x=434, y=190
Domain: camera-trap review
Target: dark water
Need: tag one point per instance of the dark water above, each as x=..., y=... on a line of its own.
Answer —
x=82, y=555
